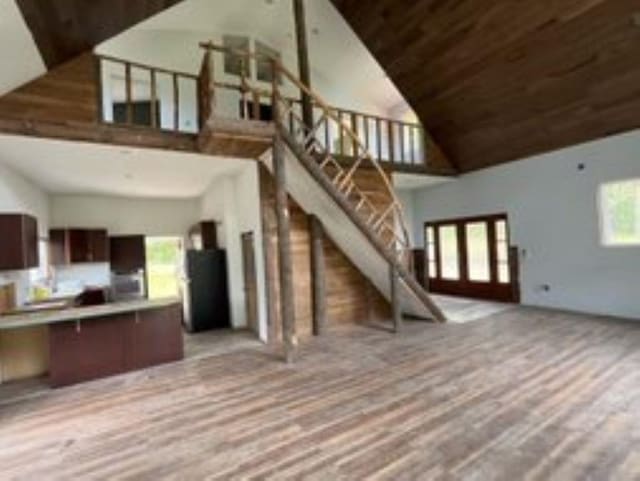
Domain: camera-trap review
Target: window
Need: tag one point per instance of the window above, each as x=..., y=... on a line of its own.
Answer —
x=449, y=254
x=264, y=67
x=164, y=266
x=477, y=235
x=502, y=247
x=235, y=64
x=620, y=213
x=431, y=254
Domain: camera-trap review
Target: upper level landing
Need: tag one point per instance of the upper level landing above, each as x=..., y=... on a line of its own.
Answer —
x=114, y=101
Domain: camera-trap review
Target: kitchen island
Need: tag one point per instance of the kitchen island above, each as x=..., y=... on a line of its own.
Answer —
x=86, y=343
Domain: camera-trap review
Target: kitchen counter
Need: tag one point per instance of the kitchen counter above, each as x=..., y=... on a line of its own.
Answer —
x=17, y=321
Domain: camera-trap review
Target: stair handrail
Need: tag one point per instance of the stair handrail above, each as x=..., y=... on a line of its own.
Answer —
x=280, y=69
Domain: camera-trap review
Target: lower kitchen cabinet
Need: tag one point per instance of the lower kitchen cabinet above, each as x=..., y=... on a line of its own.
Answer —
x=100, y=347
x=156, y=337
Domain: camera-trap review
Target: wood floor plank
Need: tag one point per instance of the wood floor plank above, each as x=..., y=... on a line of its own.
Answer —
x=521, y=394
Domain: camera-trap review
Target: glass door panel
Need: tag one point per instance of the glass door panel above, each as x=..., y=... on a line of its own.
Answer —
x=449, y=254
x=478, y=264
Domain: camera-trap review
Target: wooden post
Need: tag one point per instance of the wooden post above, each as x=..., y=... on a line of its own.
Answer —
x=128, y=92
x=396, y=307
x=285, y=263
x=303, y=61
x=154, y=99
x=318, y=280
x=100, y=89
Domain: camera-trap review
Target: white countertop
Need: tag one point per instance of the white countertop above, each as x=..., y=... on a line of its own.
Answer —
x=82, y=313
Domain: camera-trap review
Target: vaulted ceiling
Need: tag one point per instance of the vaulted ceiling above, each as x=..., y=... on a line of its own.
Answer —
x=499, y=80
x=63, y=29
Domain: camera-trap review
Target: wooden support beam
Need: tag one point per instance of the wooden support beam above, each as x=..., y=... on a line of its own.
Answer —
x=285, y=263
x=303, y=60
x=318, y=273
x=100, y=89
x=396, y=306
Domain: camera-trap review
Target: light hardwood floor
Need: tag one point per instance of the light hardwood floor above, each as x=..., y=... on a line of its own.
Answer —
x=525, y=394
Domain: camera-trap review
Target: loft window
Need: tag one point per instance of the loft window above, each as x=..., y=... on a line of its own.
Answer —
x=235, y=64
x=140, y=113
x=620, y=213
x=264, y=67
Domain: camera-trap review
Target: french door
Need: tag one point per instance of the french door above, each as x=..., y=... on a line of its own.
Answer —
x=472, y=257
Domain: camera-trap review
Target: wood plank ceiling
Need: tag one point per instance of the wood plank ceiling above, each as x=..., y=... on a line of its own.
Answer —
x=63, y=29
x=499, y=80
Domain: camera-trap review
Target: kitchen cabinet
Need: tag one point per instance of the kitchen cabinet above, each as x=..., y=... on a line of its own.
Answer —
x=204, y=236
x=18, y=242
x=113, y=344
x=78, y=246
x=127, y=253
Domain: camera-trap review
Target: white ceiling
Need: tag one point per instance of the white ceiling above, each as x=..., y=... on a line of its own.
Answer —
x=81, y=168
x=343, y=70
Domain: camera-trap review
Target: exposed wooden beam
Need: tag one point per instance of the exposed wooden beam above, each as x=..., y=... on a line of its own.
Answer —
x=318, y=275
x=285, y=263
x=396, y=304
x=303, y=59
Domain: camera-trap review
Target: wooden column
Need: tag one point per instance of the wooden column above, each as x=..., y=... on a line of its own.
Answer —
x=285, y=265
x=396, y=306
x=318, y=279
x=303, y=60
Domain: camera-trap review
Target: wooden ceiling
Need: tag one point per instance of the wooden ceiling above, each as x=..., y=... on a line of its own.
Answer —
x=63, y=29
x=499, y=80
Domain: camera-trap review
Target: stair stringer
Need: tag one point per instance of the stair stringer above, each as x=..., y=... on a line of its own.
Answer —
x=355, y=245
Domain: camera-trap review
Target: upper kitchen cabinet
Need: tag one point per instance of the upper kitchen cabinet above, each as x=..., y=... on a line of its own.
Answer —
x=18, y=242
x=203, y=236
x=127, y=253
x=78, y=246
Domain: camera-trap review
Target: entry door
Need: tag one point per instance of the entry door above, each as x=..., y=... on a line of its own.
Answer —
x=250, y=287
x=471, y=257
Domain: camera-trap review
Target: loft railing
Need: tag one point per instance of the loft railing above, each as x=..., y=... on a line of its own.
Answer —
x=135, y=94
x=381, y=214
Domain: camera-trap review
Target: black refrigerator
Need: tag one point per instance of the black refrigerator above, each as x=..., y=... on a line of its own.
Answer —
x=207, y=294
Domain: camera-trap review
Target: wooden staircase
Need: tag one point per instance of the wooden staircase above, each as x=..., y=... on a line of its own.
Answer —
x=381, y=226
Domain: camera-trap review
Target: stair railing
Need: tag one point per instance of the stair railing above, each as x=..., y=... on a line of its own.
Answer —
x=382, y=214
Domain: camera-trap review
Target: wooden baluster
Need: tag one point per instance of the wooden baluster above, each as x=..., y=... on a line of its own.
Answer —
x=256, y=105
x=327, y=133
x=412, y=146
x=291, y=119
x=99, y=89
x=402, y=140
x=341, y=129
x=365, y=121
x=128, y=92
x=176, y=102
x=379, y=137
x=392, y=147
x=154, y=99
x=354, y=127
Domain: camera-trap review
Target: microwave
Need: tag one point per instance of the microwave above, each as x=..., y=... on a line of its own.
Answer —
x=128, y=286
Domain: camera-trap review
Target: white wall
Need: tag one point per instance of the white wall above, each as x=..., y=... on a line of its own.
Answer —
x=18, y=195
x=17, y=48
x=234, y=202
x=125, y=216
x=553, y=213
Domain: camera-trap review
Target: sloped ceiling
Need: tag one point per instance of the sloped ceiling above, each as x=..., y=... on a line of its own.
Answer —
x=63, y=29
x=499, y=80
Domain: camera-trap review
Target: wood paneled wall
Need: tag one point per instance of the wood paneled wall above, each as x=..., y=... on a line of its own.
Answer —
x=350, y=296
x=66, y=94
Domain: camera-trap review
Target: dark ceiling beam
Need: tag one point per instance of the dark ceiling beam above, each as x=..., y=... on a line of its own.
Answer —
x=497, y=81
x=64, y=29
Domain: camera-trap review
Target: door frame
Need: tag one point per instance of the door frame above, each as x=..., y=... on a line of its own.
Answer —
x=464, y=287
x=248, y=246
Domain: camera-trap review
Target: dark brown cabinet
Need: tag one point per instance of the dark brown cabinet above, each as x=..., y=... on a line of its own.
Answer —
x=78, y=246
x=127, y=253
x=204, y=236
x=18, y=242
x=96, y=348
